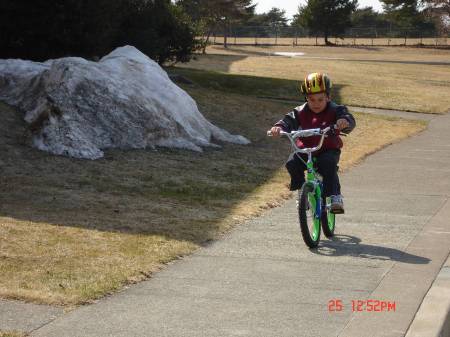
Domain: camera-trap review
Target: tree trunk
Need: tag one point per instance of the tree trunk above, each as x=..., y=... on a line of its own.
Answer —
x=225, y=36
x=210, y=29
x=205, y=43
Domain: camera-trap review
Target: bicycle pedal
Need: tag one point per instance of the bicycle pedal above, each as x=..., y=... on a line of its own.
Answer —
x=337, y=211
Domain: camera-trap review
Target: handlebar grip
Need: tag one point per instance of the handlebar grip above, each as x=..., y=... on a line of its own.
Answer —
x=269, y=133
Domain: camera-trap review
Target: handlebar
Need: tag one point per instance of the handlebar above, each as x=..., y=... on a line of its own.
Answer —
x=293, y=135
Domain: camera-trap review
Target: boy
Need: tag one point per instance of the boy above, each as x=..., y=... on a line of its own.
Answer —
x=318, y=112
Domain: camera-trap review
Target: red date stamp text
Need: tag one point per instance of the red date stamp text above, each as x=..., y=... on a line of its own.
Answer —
x=369, y=305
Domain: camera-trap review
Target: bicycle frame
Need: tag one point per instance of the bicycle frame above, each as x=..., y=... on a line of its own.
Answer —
x=311, y=174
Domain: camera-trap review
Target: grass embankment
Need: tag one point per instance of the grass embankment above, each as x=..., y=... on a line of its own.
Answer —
x=74, y=230
x=398, y=78
x=11, y=334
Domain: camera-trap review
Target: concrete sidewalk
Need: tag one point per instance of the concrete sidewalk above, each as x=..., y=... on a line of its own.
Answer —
x=261, y=279
x=433, y=317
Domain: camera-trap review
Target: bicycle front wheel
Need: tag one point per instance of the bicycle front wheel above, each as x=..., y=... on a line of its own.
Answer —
x=308, y=218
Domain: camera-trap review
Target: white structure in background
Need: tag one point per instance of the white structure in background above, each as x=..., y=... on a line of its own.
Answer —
x=77, y=107
x=288, y=54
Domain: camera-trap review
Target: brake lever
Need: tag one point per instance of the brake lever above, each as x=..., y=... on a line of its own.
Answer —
x=334, y=129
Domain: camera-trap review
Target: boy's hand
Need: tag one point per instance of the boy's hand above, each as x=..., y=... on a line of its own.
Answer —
x=275, y=131
x=342, y=124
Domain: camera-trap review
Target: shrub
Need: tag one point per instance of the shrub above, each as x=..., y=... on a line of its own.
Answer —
x=44, y=29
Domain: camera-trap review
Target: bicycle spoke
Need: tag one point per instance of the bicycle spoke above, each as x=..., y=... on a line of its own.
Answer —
x=313, y=221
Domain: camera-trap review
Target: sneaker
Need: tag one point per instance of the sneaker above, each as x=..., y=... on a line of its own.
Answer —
x=337, y=204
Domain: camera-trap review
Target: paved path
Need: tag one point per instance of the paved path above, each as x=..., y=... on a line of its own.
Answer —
x=21, y=316
x=433, y=317
x=261, y=280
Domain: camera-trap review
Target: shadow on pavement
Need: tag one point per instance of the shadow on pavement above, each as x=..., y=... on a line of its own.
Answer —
x=349, y=245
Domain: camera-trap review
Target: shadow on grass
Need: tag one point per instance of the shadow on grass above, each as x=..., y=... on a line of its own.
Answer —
x=220, y=62
x=177, y=194
x=347, y=245
x=246, y=52
x=261, y=87
x=269, y=50
x=364, y=47
x=297, y=48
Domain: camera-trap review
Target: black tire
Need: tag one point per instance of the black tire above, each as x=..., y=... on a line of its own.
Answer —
x=303, y=210
x=328, y=228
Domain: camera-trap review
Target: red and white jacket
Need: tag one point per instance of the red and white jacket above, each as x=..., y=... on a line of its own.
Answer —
x=301, y=118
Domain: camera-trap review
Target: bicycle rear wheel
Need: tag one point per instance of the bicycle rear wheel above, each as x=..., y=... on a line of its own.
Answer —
x=309, y=221
x=328, y=220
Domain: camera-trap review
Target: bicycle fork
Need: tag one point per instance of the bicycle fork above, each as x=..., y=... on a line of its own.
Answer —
x=317, y=188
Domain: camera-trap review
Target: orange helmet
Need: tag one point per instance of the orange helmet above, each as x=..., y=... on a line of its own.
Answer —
x=316, y=83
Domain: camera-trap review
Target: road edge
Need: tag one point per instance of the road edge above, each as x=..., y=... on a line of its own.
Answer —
x=433, y=316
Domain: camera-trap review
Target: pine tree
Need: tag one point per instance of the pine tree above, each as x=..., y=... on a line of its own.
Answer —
x=406, y=14
x=276, y=17
x=44, y=29
x=330, y=17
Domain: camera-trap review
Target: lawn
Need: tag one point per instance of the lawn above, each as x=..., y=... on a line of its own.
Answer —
x=410, y=79
x=11, y=334
x=360, y=42
x=72, y=231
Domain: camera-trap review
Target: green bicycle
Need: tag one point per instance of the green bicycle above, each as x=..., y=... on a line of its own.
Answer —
x=314, y=210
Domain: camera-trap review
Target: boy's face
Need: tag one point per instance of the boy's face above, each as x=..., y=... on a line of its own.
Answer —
x=317, y=102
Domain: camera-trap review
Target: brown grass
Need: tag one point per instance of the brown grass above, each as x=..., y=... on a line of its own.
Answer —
x=12, y=334
x=398, y=78
x=305, y=41
x=347, y=53
x=72, y=230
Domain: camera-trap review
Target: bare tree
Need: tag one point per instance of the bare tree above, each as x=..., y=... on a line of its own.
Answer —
x=439, y=10
x=210, y=15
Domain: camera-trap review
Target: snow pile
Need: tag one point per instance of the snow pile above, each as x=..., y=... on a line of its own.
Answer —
x=77, y=107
